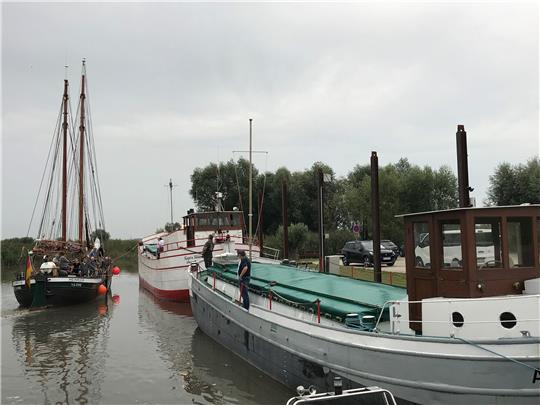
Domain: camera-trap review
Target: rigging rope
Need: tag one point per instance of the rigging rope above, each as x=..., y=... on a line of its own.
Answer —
x=43, y=177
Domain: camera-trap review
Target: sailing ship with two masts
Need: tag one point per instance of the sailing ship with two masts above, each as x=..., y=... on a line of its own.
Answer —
x=68, y=263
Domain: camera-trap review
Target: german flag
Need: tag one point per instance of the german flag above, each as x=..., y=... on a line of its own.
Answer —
x=29, y=270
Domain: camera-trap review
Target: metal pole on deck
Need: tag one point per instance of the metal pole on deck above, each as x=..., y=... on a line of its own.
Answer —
x=375, y=216
x=250, y=213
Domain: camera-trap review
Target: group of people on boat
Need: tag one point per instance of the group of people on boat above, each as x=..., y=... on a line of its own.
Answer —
x=90, y=264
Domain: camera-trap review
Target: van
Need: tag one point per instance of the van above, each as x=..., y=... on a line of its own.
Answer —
x=452, y=248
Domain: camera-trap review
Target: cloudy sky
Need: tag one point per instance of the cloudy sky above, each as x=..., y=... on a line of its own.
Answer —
x=172, y=86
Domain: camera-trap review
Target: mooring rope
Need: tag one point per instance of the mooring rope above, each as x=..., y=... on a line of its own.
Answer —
x=497, y=354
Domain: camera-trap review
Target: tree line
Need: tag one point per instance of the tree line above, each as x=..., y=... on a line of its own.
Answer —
x=404, y=188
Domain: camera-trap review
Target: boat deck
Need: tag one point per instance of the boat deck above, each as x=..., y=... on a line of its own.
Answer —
x=338, y=295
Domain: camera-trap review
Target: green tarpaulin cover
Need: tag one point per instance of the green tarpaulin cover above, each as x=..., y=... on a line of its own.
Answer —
x=338, y=295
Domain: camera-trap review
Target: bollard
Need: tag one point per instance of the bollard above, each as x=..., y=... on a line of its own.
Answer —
x=338, y=386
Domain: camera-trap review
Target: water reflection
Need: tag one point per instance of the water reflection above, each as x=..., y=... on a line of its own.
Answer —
x=64, y=350
x=202, y=366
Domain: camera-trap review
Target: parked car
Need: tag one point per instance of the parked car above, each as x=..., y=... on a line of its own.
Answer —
x=361, y=251
x=388, y=244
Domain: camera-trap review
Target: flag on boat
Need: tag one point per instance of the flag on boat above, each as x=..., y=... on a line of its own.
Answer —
x=29, y=270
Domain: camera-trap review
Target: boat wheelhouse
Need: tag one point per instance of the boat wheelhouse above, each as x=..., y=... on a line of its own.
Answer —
x=474, y=254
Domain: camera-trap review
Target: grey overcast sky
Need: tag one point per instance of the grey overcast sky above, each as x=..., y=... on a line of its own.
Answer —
x=172, y=86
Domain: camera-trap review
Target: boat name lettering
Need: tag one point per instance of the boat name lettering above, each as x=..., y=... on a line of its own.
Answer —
x=76, y=284
x=189, y=259
x=536, y=376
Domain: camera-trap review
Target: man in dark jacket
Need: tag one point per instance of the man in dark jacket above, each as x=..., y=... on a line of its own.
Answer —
x=207, y=251
x=244, y=275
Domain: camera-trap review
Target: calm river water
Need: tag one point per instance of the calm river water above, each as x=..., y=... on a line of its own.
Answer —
x=130, y=349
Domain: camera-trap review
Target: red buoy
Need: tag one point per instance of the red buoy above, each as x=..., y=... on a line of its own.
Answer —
x=102, y=290
x=116, y=270
x=116, y=299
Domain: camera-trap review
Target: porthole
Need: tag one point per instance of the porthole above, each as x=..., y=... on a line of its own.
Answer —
x=508, y=320
x=457, y=319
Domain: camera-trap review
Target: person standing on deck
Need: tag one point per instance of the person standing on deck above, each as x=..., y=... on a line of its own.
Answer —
x=244, y=276
x=160, y=247
x=207, y=251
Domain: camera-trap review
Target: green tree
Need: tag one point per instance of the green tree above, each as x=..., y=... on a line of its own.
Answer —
x=171, y=227
x=231, y=179
x=102, y=234
x=14, y=250
x=403, y=188
x=511, y=185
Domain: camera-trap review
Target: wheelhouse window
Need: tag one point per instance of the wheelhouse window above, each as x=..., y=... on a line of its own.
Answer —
x=487, y=235
x=421, y=243
x=234, y=218
x=202, y=221
x=520, y=242
x=450, y=236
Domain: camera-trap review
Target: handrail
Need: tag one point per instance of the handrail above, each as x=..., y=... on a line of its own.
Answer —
x=449, y=321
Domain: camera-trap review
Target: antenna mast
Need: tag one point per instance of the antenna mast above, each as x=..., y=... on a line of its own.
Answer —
x=171, y=185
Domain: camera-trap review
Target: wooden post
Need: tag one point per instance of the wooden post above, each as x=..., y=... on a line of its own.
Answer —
x=375, y=216
x=320, y=185
x=260, y=222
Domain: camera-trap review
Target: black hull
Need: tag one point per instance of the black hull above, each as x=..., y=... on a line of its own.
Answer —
x=24, y=295
x=61, y=293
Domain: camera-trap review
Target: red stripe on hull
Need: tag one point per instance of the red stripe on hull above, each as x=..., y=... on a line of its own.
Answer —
x=169, y=295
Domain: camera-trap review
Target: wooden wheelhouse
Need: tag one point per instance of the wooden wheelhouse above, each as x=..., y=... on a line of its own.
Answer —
x=470, y=253
x=216, y=222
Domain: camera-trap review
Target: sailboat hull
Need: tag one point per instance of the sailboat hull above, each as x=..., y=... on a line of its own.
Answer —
x=59, y=290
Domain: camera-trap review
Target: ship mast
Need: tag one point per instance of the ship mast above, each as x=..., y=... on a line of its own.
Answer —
x=81, y=154
x=64, y=161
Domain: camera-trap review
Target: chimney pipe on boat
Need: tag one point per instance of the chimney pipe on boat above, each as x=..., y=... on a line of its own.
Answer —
x=284, y=211
x=375, y=217
x=463, y=167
